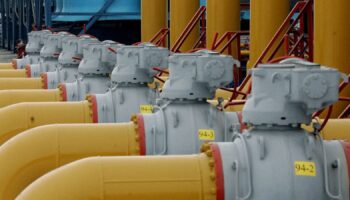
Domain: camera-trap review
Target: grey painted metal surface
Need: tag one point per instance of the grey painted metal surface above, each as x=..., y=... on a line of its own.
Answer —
x=93, y=71
x=68, y=61
x=296, y=90
x=182, y=120
x=33, y=47
x=197, y=75
x=275, y=158
x=49, y=53
x=134, y=70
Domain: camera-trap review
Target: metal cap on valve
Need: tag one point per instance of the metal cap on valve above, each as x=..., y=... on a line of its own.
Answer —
x=98, y=58
x=196, y=76
x=135, y=63
x=289, y=92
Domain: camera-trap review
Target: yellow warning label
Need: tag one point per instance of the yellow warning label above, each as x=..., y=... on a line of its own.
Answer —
x=206, y=134
x=144, y=109
x=304, y=168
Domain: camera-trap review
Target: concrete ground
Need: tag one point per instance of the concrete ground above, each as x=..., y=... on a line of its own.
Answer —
x=6, y=56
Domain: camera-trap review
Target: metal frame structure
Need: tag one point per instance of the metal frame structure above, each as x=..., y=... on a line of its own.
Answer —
x=18, y=17
x=294, y=34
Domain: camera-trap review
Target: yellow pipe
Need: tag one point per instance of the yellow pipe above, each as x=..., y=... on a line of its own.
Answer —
x=223, y=16
x=337, y=129
x=266, y=17
x=9, y=97
x=181, y=12
x=332, y=39
x=23, y=116
x=20, y=83
x=153, y=17
x=12, y=73
x=190, y=177
x=35, y=152
x=6, y=66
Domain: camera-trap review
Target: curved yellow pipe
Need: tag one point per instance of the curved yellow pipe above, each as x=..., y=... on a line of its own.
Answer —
x=190, y=177
x=20, y=83
x=23, y=116
x=9, y=97
x=12, y=73
x=154, y=16
x=35, y=152
x=6, y=66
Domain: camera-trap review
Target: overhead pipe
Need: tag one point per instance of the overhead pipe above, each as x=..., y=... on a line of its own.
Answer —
x=223, y=16
x=56, y=146
x=181, y=12
x=332, y=40
x=265, y=19
x=154, y=17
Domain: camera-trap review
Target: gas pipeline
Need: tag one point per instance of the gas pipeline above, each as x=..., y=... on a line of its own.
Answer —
x=283, y=97
x=155, y=132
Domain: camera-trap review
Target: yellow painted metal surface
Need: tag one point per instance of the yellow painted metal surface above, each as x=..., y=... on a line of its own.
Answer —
x=20, y=117
x=12, y=73
x=266, y=16
x=20, y=83
x=332, y=39
x=222, y=16
x=223, y=94
x=337, y=129
x=181, y=12
x=9, y=97
x=133, y=178
x=6, y=66
x=37, y=151
x=154, y=16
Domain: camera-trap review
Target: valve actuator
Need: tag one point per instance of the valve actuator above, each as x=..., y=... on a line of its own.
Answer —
x=283, y=97
x=198, y=75
x=49, y=54
x=182, y=115
x=33, y=47
x=134, y=70
x=93, y=71
x=68, y=61
x=296, y=89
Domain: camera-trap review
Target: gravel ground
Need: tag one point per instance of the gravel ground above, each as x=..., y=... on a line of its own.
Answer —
x=6, y=56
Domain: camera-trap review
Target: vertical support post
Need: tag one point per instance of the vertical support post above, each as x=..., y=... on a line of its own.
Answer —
x=266, y=17
x=154, y=17
x=3, y=25
x=181, y=12
x=15, y=25
x=332, y=40
x=48, y=13
x=223, y=16
x=310, y=29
